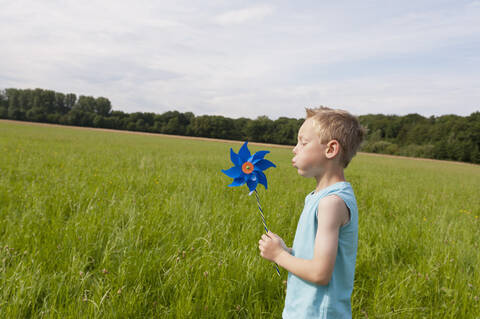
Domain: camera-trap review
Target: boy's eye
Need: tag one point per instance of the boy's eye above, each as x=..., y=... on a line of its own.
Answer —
x=302, y=143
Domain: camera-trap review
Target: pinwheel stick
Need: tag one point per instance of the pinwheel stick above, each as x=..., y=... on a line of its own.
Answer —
x=264, y=223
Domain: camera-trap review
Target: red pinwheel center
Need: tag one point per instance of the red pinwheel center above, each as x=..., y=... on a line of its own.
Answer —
x=247, y=167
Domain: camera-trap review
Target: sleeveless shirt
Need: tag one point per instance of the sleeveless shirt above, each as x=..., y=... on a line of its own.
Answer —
x=308, y=300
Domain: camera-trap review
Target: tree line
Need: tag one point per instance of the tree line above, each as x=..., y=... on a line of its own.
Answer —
x=449, y=137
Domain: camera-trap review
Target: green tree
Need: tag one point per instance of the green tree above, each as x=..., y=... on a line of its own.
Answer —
x=173, y=126
x=103, y=106
x=81, y=118
x=3, y=112
x=260, y=130
x=60, y=103
x=25, y=99
x=13, y=98
x=3, y=105
x=475, y=155
x=14, y=109
x=3, y=99
x=140, y=125
x=47, y=98
x=70, y=100
x=36, y=114
x=284, y=131
x=98, y=121
x=86, y=104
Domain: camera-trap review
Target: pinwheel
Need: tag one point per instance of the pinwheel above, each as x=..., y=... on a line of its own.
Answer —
x=249, y=169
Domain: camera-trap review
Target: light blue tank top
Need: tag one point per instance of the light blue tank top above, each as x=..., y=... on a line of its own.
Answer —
x=308, y=300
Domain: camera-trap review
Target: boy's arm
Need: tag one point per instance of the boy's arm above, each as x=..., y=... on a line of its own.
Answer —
x=332, y=213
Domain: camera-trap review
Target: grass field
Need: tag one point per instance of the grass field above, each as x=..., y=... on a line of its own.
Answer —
x=109, y=225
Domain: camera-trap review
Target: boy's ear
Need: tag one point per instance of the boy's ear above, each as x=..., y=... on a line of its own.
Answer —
x=332, y=150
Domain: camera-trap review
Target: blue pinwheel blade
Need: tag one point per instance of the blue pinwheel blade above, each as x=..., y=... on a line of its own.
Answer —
x=259, y=156
x=263, y=165
x=262, y=179
x=233, y=172
x=239, y=181
x=235, y=158
x=244, y=152
x=252, y=184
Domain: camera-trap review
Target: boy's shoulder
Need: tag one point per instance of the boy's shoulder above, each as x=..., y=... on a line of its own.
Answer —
x=331, y=200
x=333, y=209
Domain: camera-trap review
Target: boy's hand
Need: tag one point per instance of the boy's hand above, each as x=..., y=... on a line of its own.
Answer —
x=271, y=246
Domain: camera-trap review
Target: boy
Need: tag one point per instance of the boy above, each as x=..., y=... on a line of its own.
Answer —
x=321, y=263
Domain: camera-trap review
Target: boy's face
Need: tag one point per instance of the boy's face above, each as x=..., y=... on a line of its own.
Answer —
x=309, y=153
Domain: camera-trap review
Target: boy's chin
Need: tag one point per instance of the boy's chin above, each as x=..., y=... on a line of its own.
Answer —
x=301, y=172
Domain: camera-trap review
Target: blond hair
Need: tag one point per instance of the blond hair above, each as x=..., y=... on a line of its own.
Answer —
x=338, y=125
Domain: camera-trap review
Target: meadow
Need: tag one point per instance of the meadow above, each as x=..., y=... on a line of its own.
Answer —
x=98, y=224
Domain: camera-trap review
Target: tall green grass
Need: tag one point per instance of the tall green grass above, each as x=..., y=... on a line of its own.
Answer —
x=111, y=225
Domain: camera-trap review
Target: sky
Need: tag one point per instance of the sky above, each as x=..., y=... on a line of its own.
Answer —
x=249, y=58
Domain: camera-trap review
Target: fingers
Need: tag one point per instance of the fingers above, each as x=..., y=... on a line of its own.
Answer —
x=265, y=241
x=263, y=244
x=272, y=235
x=269, y=236
x=260, y=247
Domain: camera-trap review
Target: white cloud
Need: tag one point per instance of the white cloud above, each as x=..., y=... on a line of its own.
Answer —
x=243, y=15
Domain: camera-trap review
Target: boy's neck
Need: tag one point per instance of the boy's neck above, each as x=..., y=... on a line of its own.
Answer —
x=330, y=177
